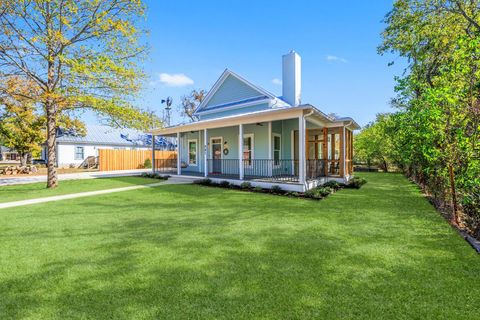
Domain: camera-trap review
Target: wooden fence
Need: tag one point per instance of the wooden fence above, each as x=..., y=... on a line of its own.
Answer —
x=109, y=159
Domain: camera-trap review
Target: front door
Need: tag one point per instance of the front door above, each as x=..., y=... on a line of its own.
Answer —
x=216, y=155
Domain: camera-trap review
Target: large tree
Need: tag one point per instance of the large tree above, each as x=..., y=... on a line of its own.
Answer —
x=191, y=102
x=82, y=54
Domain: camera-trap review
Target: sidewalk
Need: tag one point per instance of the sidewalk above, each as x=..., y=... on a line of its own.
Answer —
x=71, y=176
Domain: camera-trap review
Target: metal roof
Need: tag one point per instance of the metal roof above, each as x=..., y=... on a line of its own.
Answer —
x=105, y=135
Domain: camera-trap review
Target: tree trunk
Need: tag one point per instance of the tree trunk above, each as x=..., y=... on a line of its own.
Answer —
x=454, y=195
x=23, y=158
x=52, y=181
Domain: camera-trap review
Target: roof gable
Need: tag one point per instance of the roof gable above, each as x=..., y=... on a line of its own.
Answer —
x=230, y=89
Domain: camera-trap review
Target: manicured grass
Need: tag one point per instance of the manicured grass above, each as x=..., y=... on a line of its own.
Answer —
x=187, y=251
x=39, y=190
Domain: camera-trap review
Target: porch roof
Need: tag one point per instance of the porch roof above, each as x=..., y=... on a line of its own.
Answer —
x=281, y=113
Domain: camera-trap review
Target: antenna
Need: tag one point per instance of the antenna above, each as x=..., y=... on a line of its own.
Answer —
x=168, y=102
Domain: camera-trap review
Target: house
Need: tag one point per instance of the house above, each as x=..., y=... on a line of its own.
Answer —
x=8, y=155
x=245, y=133
x=73, y=148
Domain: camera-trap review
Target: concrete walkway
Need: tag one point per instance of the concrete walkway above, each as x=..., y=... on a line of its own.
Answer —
x=175, y=180
x=72, y=176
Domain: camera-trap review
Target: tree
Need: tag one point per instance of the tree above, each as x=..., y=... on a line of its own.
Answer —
x=191, y=102
x=82, y=54
x=438, y=97
x=21, y=128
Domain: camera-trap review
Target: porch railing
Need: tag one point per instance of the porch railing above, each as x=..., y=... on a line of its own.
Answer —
x=228, y=168
x=278, y=170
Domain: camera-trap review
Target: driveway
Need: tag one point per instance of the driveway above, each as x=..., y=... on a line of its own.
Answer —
x=71, y=176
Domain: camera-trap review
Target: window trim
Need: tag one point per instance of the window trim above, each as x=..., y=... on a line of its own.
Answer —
x=75, y=157
x=274, y=135
x=196, y=152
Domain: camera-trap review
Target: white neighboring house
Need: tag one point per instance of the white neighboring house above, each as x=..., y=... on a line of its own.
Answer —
x=73, y=149
x=8, y=155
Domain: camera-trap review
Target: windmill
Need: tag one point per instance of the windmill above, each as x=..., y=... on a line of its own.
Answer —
x=168, y=107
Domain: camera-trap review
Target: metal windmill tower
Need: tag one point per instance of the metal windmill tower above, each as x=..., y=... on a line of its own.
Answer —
x=168, y=102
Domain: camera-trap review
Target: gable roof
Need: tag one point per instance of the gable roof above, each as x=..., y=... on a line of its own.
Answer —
x=262, y=93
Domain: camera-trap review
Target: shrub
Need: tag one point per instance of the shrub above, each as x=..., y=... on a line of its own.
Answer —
x=335, y=185
x=356, y=183
x=204, y=182
x=309, y=193
x=324, y=191
x=258, y=189
x=246, y=185
x=147, y=164
x=277, y=189
x=224, y=184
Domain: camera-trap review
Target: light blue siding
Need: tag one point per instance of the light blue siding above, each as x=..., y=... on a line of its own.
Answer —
x=232, y=89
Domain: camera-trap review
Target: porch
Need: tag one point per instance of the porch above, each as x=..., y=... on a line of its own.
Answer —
x=296, y=152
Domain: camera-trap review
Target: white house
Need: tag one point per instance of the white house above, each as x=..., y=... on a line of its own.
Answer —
x=73, y=149
x=246, y=133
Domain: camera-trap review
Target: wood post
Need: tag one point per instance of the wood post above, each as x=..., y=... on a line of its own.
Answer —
x=153, y=153
x=325, y=149
x=240, y=151
x=301, y=149
x=205, y=153
x=179, y=164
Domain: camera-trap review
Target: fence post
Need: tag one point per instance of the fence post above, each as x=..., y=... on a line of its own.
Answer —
x=240, y=151
x=153, y=153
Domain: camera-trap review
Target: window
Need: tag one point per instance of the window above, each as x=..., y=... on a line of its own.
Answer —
x=248, y=149
x=277, y=142
x=192, y=152
x=79, y=153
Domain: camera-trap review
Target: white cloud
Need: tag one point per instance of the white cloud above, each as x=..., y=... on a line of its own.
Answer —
x=277, y=82
x=336, y=59
x=173, y=80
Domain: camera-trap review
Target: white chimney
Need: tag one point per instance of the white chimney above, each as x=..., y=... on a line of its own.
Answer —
x=292, y=78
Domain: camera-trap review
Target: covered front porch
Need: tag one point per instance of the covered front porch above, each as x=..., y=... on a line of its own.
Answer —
x=299, y=152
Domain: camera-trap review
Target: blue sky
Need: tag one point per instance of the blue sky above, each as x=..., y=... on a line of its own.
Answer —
x=192, y=42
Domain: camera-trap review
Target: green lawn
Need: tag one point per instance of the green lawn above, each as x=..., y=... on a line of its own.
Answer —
x=38, y=190
x=192, y=252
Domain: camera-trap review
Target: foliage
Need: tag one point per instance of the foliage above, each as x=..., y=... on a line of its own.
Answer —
x=204, y=182
x=147, y=164
x=81, y=55
x=21, y=128
x=191, y=102
x=258, y=189
x=246, y=185
x=224, y=184
x=335, y=185
x=277, y=189
x=435, y=131
x=356, y=183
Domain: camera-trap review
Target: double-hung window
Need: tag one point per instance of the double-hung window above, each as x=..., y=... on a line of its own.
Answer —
x=277, y=149
x=79, y=153
x=192, y=152
x=248, y=149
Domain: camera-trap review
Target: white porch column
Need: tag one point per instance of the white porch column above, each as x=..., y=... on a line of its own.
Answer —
x=240, y=151
x=270, y=161
x=343, y=152
x=179, y=148
x=301, y=149
x=205, y=153
x=153, y=153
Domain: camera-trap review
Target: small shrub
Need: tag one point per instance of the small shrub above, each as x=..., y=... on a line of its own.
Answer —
x=144, y=175
x=204, y=182
x=324, y=191
x=147, y=164
x=335, y=185
x=161, y=177
x=224, y=184
x=356, y=183
x=258, y=189
x=246, y=185
x=309, y=193
x=277, y=189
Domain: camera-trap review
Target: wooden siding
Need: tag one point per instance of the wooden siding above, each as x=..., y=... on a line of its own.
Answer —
x=110, y=159
x=232, y=90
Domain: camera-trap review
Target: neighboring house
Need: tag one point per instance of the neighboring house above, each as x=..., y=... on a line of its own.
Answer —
x=8, y=155
x=245, y=133
x=73, y=149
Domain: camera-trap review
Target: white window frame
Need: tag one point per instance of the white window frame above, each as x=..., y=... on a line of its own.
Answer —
x=252, y=136
x=279, y=149
x=196, y=152
x=75, y=153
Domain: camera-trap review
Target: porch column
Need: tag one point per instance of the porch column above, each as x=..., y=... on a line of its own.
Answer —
x=240, y=151
x=179, y=169
x=344, y=158
x=153, y=153
x=205, y=153
x=301, y=149
x=270, y=160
